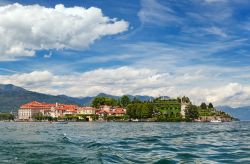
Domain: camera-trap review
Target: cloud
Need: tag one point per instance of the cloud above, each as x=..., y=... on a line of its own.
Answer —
x=48, y=55
x=129, y=80
x=224, y=92
x=26, y=29
x=27, y=79
x=153, y=12
x=216, y=31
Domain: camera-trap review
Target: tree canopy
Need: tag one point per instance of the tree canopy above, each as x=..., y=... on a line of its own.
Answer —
x=140, y=110
x=192, y=112
x=6, y=116
x=203, y=105
x=98, y=101
x=210, y=106
x=124, y=101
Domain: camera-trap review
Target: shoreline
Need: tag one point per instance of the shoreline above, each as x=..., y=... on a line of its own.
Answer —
x=126, y=121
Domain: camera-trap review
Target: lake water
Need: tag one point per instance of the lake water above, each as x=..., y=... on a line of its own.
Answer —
x=91, y=142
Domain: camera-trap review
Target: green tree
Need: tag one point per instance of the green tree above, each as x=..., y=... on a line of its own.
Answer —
x=203, y=105
x=140, y=110
x=39, y=116
x=185, y=99
x=131, y=110
x=146, y=110
x=125, y=101
x=210, y=106
x=192, y=112
x=6, y=116
x=98, y=101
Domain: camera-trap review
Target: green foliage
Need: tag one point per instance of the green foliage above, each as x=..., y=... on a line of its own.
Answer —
x=41, y=117
x=203, y=105
x=185, y=99
x=140, y=110
x=6, y=116
x=124, y=101
x=98, y=101
x=169, y=108
x=70, y=117
x=192, y=112
x=164, y=118
x=210, y=106
x=117, y=118
x=178, y=99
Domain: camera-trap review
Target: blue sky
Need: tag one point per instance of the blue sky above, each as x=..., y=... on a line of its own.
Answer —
x=198, y=48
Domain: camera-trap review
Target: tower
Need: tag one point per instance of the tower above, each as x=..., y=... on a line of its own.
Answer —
x=183, y=108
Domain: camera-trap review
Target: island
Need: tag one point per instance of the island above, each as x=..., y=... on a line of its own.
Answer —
x=103, y=109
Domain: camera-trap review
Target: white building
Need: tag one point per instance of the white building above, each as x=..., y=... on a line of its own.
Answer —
x=86, y=110
x=29, y=110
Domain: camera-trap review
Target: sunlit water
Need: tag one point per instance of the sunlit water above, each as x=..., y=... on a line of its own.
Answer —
x=125, y=142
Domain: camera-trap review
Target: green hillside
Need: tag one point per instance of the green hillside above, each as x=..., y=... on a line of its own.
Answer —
x=11, y=97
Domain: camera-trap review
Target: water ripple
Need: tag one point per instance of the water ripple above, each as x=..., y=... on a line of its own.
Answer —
x=125, y=143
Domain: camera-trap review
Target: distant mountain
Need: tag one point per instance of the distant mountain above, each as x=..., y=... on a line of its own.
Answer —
x=242, y=113
x=10, y=88
x=11, y=97
x=78, y=100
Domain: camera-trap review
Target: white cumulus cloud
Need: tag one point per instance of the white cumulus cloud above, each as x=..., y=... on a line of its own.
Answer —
x=135, y=81
x=26, y=29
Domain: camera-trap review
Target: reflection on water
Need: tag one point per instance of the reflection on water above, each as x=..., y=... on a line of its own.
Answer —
x=125, y=143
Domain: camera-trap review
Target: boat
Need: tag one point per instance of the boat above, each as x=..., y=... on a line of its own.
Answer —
x=60, y=122
x=215, y=121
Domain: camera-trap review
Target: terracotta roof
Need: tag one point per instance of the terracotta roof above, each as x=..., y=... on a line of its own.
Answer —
x=104, y=111
x=119, y=111
x=72, y=108
x=36, y=105
x=86, y=108
x=39, y=105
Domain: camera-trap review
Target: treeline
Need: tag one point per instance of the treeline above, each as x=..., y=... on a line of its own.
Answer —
x=140, y=110
x=124, y=101
x=6, y=116
x=67, y=117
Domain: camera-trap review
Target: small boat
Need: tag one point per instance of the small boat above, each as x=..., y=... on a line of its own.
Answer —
x=60, y=122
x=216, y=121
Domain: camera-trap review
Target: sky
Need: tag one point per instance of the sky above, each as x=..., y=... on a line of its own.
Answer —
x=196, y=48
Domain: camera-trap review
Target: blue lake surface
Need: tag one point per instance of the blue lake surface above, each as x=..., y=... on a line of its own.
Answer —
x=93, y=142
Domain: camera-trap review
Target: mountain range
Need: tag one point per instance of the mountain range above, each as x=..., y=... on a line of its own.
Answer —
x=242, y=113
x=11, y=97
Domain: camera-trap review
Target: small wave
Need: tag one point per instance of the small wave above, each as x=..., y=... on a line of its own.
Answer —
x=93, y=145
x=187, y=156
x=65, y=139
x=165, y=161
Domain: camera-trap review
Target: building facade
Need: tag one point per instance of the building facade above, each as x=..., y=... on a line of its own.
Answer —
x=86, y=110
x=27, y=112
x=30, y=110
